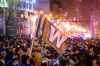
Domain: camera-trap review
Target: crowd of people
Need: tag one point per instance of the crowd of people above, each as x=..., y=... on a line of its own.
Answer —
x=16, y=52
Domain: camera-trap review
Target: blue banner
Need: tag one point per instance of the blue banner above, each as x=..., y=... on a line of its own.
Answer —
x=27, y=5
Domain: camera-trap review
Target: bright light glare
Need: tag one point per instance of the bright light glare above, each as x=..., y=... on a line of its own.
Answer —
x=41, y=12
x=49, y=17
x=30, y=1
x=34, y=1
x=34, y=18
x=87, y=36
x=68, y=29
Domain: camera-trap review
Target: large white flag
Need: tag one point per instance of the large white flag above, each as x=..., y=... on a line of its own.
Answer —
x=55, y=35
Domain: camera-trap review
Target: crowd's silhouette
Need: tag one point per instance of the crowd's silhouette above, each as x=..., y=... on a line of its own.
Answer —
x=15, y=52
